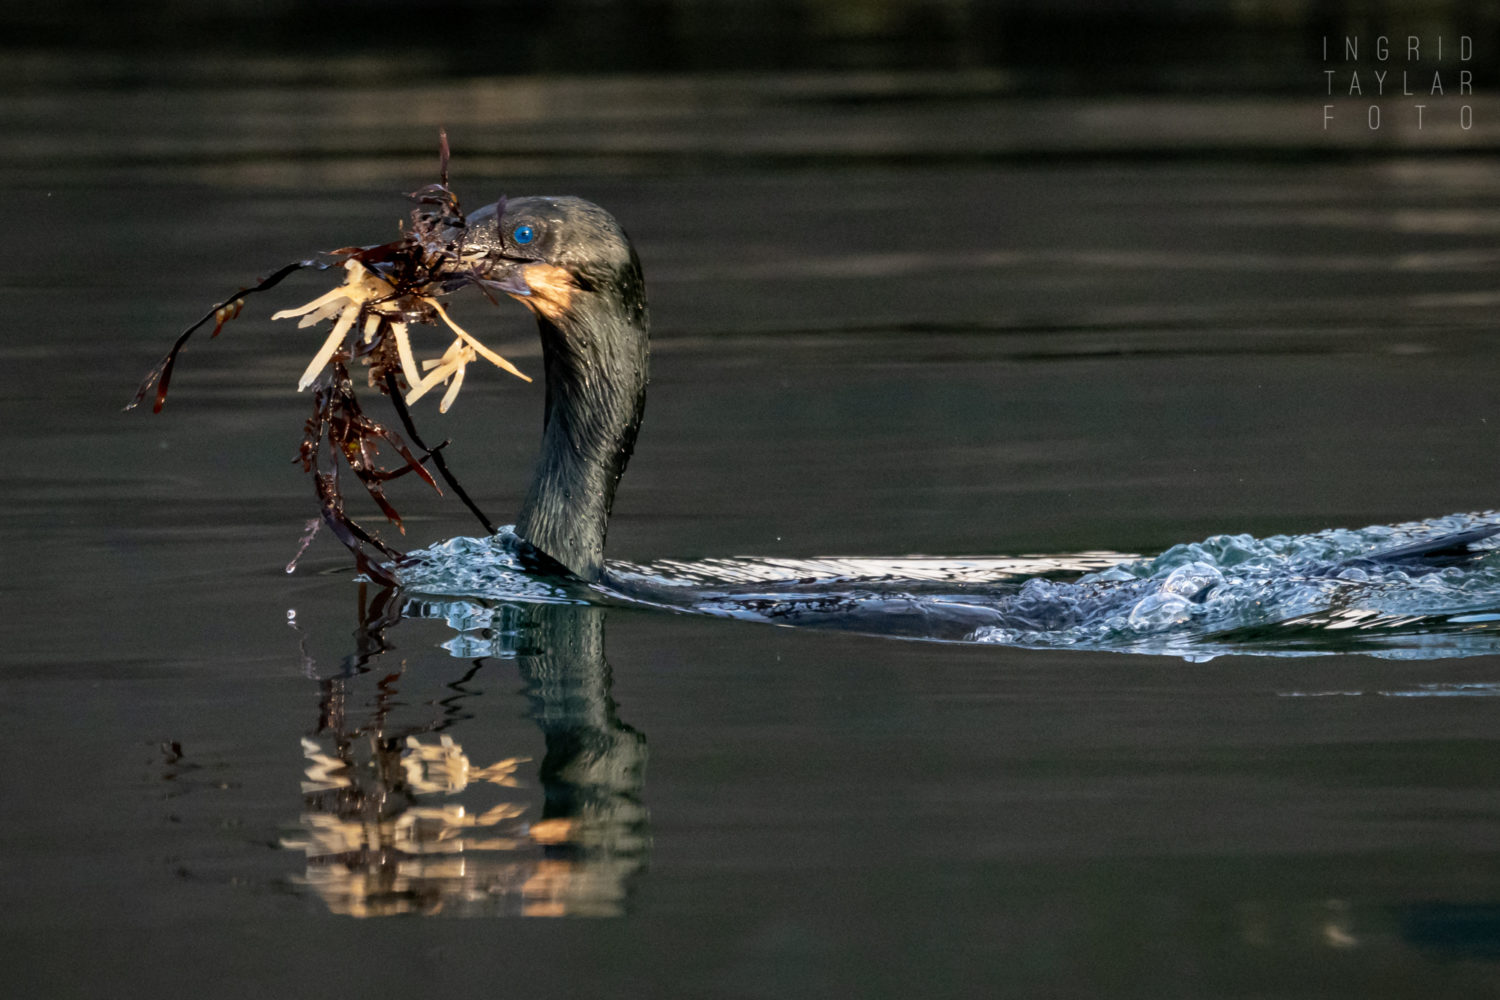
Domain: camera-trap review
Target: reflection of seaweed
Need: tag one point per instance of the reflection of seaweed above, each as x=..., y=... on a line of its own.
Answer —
x=394, y=822
x=388, y=288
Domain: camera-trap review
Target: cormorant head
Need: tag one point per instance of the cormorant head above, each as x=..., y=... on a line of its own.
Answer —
x=563, y=258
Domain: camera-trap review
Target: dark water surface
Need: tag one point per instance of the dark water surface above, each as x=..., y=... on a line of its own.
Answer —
x=854, y=355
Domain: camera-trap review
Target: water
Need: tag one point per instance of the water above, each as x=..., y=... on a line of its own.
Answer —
x=211, y=763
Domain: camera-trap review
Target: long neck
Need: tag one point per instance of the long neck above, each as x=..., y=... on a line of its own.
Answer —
x=596, y=370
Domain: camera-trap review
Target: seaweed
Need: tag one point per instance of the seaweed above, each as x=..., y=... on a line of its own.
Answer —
x=221, y=313
x=388, y=289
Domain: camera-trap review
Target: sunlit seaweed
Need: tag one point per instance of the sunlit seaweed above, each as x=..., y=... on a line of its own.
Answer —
x=387, y=289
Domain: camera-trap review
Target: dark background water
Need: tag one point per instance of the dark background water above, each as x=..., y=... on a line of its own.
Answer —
x=953, y=278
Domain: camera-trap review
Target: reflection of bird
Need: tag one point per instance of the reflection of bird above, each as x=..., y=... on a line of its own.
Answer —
x=393, y=823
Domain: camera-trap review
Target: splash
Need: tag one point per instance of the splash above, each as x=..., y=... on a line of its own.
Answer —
x=1335, y=591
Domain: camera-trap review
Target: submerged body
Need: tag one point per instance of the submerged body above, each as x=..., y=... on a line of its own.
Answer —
x=1332, y=591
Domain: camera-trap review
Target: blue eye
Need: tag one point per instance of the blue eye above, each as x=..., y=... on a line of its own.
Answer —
x=523, y=235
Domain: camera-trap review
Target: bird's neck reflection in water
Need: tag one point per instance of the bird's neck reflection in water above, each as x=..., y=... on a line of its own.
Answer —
x=400, y=819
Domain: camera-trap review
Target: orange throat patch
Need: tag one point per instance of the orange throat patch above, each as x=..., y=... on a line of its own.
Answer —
x=552, y=290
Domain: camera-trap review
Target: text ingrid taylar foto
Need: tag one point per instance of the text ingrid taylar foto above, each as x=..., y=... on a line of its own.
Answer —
x=1411, y=81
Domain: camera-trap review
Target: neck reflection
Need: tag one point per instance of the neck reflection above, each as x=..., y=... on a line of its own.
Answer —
x=400, y=818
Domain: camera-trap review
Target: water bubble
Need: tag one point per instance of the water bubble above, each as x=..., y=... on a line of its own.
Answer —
x=1192, y=581
x=1159, y=610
